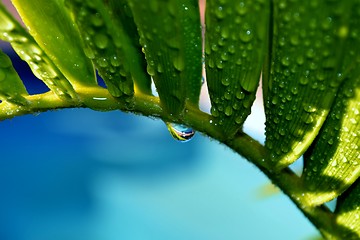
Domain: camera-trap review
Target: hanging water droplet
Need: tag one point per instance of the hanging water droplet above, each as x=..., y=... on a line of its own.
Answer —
x=180, y=132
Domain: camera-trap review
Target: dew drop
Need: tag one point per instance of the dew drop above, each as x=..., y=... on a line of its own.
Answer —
x=214, y=111
x=115, y=61
x=225, y=81
x=228, y=111
x=102, y=62
x=239, y=120
x=150, y=70
x=246, y=35
x=240, y=95
x=231, y=49
x=179, y=63
x=101, y=41
x=241, y=8
x=219, y=12
x=225, y=32
x=6, y=24
x=343, y=31
x=285, y=61
x=180, y=132
x=227, y=95
x=309, y=109
x=97, y=20
x=304, y=80
x=334, y=163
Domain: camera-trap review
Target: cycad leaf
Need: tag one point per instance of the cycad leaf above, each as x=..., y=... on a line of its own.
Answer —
x=12, y=88
x=29, y=51
x=122, y=16
x=170, y=32
x=306, y=62
x=52, y=28
x=348, y=212
x=333, y=164
x=235, y=43
x=114, y=53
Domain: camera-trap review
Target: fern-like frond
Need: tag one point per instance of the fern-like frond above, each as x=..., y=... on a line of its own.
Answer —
x=308, y=53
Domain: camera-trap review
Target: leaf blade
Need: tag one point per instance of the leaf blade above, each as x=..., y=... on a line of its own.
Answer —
x=29, y=51
x=53, y=29
x=306, y=67
x=12, y=88
x=235, y=46
x=333, y=163
x=170, y=32
x=348, y=212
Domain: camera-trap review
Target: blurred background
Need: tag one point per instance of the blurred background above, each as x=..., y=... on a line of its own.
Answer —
x=79, y=174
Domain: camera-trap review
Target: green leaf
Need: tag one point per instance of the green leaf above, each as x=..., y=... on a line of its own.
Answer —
x=307, y=66
x=348, y=212
x=12, y=88
x=333, y=164
x=52, y=28
x=105, y=43
x=122, y=16
x=29, y=51
x=235, y=47
x=170, y=33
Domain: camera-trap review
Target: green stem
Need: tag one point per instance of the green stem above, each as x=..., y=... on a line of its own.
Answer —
x=98, y=98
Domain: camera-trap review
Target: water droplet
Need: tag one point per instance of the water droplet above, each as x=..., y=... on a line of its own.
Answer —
x=343, y=31
x=240, y=95
x=150, y=70
x=309, y=109
x=101, y=40
x=334, y=163
x=219, y=12
x=304, y=80
x=285, y=61
x=228, y=111
x=353, y=120
x=225, y=81
x=6, y=24
x=225, y=32
x=231, y=49
x=115, y=61
x=179, y=63
x=89, y=52
x=246, y=35
x=102, y=62
x=97, y=20
x=227, y=95
x=310, y=53
x=180, y=132
x=224, y=56
x=239, y=120
x=241, y=8
x=214, y=111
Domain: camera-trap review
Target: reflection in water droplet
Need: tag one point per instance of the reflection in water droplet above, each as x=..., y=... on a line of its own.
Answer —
x=180, y=132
